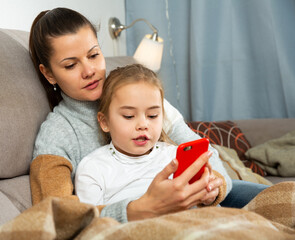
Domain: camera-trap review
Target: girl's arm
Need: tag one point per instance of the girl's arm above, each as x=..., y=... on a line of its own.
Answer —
x=166, y=195
x=89, y=181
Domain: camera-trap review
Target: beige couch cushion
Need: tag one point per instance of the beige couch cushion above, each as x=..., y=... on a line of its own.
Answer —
x=9, y=211
x=259, y=131
x=23, y=106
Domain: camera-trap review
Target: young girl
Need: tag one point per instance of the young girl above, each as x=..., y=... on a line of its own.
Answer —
x=71, y=67
x=131, y=116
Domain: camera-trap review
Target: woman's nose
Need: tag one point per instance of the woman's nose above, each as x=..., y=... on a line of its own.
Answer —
x=87, y=71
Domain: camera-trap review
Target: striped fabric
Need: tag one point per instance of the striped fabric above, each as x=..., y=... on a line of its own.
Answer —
x=227, y=134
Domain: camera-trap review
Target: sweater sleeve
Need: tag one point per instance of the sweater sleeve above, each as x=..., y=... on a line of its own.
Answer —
x=179, y=132
x=56, y=137
x=46, y=174
x=117, y=211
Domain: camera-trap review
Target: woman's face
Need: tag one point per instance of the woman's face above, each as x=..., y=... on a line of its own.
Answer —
x=77, y=65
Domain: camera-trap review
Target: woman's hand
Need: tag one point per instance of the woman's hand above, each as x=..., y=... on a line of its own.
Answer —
x=166, y=195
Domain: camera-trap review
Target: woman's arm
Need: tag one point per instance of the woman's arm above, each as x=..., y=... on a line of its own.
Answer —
x=163, y=196
x=50, y=175
x=180, y=132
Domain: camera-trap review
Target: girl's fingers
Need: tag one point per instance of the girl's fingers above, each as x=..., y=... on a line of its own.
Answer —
x=216, y=183
x=168, y=170
x=193, y=169
x=209, y=167
x=199, y=187
x=210, y=197
x=197, y=198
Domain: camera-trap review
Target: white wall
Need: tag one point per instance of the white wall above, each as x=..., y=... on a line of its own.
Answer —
x=19, y=14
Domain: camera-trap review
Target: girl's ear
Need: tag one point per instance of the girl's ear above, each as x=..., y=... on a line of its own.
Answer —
x=102, y=122
x=47, y=74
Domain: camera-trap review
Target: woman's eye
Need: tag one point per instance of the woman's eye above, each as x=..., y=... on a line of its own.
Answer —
x=70, y=66
x=128, y=116
x=94, y=55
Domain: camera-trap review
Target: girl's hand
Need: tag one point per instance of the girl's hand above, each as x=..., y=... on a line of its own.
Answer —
x=212, y=187
x=171, y=195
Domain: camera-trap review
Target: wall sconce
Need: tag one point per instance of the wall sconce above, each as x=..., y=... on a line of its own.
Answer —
x=150, y=50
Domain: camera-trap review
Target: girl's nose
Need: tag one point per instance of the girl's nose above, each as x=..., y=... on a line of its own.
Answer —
x=142, y=124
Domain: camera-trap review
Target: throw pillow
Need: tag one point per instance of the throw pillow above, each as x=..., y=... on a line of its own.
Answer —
x=227, y=134
x=276, y=156
x=235, y=167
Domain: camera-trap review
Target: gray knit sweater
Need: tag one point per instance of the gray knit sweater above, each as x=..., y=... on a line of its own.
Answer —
x=72, y=131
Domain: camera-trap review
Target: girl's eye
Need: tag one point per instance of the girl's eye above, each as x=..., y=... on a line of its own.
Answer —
x=128, y=116
x=70, y=66
x=153, y=116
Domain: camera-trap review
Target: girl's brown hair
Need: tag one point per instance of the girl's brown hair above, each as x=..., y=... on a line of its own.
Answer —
x=122, y=76
x=47, y=25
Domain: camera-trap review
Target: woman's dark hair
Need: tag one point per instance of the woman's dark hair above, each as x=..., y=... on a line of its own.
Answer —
x=47, y=25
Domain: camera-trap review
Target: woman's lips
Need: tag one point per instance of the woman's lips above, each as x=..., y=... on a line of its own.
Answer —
x=92, y=85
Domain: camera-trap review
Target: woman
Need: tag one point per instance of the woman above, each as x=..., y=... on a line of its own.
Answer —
x=71, y=67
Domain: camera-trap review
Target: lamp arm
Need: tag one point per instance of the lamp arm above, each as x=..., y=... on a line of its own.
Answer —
x=155, y=30
x=115, y=27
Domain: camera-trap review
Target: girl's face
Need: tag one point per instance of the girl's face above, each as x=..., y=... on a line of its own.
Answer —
x=77, y=65
x=135, y=118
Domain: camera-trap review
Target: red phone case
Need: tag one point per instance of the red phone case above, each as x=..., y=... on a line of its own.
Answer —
x=187, y=153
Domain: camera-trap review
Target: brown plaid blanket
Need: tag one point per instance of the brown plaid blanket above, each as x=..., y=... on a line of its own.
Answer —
x=271, y=215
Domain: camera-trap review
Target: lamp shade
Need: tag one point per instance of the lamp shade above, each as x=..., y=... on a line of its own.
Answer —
x=149, y=52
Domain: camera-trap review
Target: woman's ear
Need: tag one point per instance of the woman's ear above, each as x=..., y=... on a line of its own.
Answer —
x=47, y=74
x=102, y=122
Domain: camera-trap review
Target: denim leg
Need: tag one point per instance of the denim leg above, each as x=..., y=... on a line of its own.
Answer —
x=242, y=193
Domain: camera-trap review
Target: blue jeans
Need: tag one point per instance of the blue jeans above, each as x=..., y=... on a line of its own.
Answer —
x=242, y=193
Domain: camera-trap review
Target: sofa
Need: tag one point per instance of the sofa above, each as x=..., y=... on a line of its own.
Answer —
x=24, y=106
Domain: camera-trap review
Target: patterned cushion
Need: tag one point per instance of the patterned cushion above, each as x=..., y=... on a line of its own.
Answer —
x=229, y=135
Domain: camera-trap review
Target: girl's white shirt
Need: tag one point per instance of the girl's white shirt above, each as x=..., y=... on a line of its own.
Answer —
x=107, y=176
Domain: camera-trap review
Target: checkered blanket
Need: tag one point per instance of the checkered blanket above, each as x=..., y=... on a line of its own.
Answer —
x=271, y=215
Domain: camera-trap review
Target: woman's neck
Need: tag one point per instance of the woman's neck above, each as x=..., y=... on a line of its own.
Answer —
x=85, y=109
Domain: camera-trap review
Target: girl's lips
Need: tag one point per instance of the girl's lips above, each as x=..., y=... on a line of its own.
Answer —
x=92, y=85
x=141, y=140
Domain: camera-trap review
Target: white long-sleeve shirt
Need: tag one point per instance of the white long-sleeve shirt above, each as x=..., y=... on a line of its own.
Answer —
x=107, y=176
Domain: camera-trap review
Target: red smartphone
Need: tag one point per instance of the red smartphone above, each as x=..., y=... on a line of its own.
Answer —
x=187, y=153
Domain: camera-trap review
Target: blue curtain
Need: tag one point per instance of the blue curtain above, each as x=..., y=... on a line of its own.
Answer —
x=223, y=59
